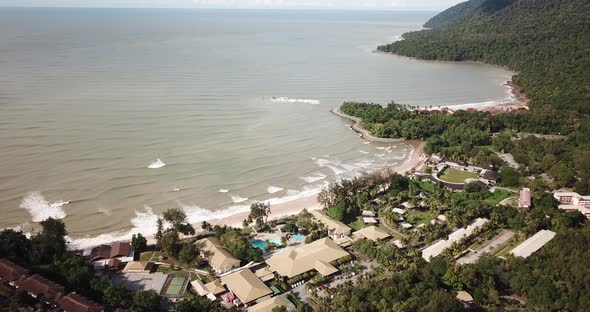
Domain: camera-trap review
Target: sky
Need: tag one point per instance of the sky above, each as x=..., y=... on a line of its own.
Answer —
x=435, y=5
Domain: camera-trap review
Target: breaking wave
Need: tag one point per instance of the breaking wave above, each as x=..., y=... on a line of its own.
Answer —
x=40, y=209
x=237, y=199
x=274, y=189
x=157, y=164
x=313, y=178
x=288, y=100
x=223, y=191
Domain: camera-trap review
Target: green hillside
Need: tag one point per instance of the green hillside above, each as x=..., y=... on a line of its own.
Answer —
x=546, y=41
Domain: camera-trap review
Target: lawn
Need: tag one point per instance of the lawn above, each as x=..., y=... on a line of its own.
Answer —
x=417, y=217
x=498, y=196
x=453, y=175
x=426, y=185
x=357, y=224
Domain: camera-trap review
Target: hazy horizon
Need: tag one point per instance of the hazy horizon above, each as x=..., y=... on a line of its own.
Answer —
x=384, y=5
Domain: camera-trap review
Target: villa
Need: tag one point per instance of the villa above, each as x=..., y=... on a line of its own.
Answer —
x=219, y=259
x=372, y=233
x=100, y=256
x=313, y=256
x=336, y=229
x=73, y=302
x=246, y=286
x=36, y=285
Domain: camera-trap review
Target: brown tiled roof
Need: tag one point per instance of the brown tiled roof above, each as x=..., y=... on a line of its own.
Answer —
x=38, y=285
x=100, y=252
x=76, y=303
x=114, y=263
x=11, y=272
x=120, y=250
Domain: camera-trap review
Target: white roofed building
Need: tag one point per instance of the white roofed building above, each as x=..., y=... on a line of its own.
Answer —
x=437, y=248
x=533, y=244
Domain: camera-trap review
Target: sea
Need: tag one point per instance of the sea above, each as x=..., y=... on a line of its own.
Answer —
x=108, y=117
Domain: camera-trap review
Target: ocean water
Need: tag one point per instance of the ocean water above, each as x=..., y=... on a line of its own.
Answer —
x=110, y=116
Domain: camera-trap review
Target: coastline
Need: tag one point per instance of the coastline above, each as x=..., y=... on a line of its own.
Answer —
x=520, y=99
x=415, y=160
x=364, y=133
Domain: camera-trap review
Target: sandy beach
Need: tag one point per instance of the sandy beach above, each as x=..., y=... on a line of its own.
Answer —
x=414, y=160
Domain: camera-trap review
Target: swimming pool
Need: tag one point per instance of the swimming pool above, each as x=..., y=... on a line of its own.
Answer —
x=262, y=245
x=298, y=237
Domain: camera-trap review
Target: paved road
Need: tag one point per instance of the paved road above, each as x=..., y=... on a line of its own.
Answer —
x=491, y=246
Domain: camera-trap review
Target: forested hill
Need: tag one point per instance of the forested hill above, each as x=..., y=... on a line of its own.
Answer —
x=465, y=10
x=546, y=41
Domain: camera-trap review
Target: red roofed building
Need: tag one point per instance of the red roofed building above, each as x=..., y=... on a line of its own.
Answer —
x=37, y=285
x=100, y=252
x=76, y=303
x=10, y=272
x=120, y=249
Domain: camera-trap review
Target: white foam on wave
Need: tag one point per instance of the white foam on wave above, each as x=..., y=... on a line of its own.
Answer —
x=157, y=164
x=223, y=191
x=314, y=177
x=274, y=189
x=363, y=152
x=196, y=214
x=237, y=199
x=144, y=222
x=292, y=192
x=289, y=100
x=380, y=155
x=368, y=142
x=105, y=211
x=40, y=209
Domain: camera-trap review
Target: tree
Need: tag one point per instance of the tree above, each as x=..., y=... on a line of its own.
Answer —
x=178, y=220
x=159, y=232
x=188, y=253
x=441, y=301
x=50, y=243
x=259, y=213
x=509, y=177
x=117, y=297
x=145, y=301
x=139, y=243
x=291, y=228
x=198, y=304
x=169, y=243
x=15, y=246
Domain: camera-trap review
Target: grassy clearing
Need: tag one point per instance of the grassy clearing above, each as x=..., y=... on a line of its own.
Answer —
x=417, y=217
x=453, y=175
x=498, y=196
x=357, y=224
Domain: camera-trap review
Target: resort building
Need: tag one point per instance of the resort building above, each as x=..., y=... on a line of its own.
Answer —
x=437, y=248
x=368, y=213
x=399, y=211
x=525, y=198
x=372, y=233
x=269, y=304
x=369, y=220
x=11, y=273
x=220, y=260
x=246, y=286
x=101, y=255
x=534, y=243
x=36, y=286
x=336, y=229
x=313, y=256
x=73, y=302
x=573, y=201
x=489, y=177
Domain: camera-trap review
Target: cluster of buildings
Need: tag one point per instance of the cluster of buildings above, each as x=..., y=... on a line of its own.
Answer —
x=573, y=201
x=254, y=285
x=487, y=175
x=437, y=248
x=16, y=279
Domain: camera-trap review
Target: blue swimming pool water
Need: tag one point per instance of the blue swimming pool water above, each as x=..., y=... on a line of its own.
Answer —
x=262, y=245
x=298, y=237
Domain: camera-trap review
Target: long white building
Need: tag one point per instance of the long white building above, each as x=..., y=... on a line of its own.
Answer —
x=533, y=244
x=437, y=248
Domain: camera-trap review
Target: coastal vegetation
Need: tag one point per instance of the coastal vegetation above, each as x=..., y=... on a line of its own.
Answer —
x=479, y=136
x=545, y=41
